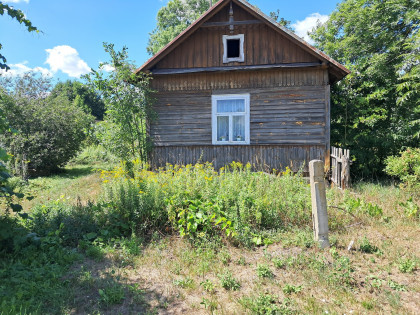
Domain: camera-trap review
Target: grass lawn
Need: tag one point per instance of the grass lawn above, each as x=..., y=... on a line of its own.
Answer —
x=163, y=273
x=76, y=182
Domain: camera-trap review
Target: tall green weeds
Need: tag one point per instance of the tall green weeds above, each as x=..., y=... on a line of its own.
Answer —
x=200, y=202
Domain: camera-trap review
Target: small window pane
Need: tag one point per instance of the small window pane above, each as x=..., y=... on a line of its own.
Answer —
x=233, y=48
x=238, y=128
x=231, y=106
x=222, y=128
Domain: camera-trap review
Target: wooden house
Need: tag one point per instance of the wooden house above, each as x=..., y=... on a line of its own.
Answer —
x=237, y=86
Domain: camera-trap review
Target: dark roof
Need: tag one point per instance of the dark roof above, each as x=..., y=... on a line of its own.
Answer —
x=337, y=70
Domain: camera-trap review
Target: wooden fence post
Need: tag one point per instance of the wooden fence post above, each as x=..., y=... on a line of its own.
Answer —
x=319, y=203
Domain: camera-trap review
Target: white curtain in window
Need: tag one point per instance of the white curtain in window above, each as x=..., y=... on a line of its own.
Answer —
x=238, y=128
x=231, y=106
x=222, y=128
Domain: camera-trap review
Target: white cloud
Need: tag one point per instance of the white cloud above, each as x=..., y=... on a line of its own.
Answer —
x=303, y=27
x=16, y=1
x=21, y=68
x=66, y=59
x=108, y=68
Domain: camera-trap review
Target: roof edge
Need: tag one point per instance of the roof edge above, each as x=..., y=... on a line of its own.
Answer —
x=209, y=13
x=253, y=10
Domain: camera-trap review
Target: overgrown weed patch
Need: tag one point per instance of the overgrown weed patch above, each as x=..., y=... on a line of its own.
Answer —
x=260, y=267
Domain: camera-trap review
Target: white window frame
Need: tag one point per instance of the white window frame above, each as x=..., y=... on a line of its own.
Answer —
x=241, y=57
x=215, y=114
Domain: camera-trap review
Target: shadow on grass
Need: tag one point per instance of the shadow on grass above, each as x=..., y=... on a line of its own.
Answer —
x=97, y=287
x=58, y=268
x=86, y=286
x=72, y=172
x=76, y=171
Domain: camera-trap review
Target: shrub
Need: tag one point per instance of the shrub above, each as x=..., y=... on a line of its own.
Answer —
x=94, y=154
x=358, y=205
x=50, y=129
x=406, y=167
x=128, y=100
x=75, y=221
x=80, y=94
x=200, y=203
x=411, y=209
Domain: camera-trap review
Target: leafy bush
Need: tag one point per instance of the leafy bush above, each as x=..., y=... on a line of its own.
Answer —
x=358, y=205
x=94, y=154
x=201, y=203
x=75, y=221
x=128, y=101
x=406, y=167
x=80, y=94
x=200, y=219
x=50, y=129
x=411, y=209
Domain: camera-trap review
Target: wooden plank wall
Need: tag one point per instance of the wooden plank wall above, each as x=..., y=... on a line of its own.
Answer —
x=241, y=79
x=262, y=157
x=284, y=115
x=262, y=45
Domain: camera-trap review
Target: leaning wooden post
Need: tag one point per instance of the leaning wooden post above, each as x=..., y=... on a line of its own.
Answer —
x=319, y=203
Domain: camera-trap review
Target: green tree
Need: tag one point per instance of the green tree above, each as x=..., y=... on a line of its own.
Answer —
x=82, y=96
x=172, y=19
x=275, y=15
x=128, y=99
x=375, y=109
x=19, y=16
x=49, y=130
x=7, y=194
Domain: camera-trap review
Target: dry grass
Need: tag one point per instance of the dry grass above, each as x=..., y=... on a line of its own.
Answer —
x=172, y=272
x=171, y=276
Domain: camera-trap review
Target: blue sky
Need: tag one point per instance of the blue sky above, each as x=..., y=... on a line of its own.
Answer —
x=73, y=31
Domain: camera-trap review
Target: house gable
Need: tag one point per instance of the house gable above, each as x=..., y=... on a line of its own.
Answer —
x=266, y=43
x=262, y=45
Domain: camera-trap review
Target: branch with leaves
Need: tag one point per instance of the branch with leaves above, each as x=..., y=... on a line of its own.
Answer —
x=19, y=16
x=128, y=101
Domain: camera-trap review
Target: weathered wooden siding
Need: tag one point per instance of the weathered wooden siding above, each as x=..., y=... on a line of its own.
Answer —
x=283, y=115
x=241, y=79
x=262, y=157
x=262, y=45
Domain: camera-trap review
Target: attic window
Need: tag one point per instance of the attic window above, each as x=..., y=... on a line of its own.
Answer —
x=233, y=48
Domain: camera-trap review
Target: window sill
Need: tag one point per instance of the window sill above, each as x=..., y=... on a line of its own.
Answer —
x=233, y=60
x=230, y=142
